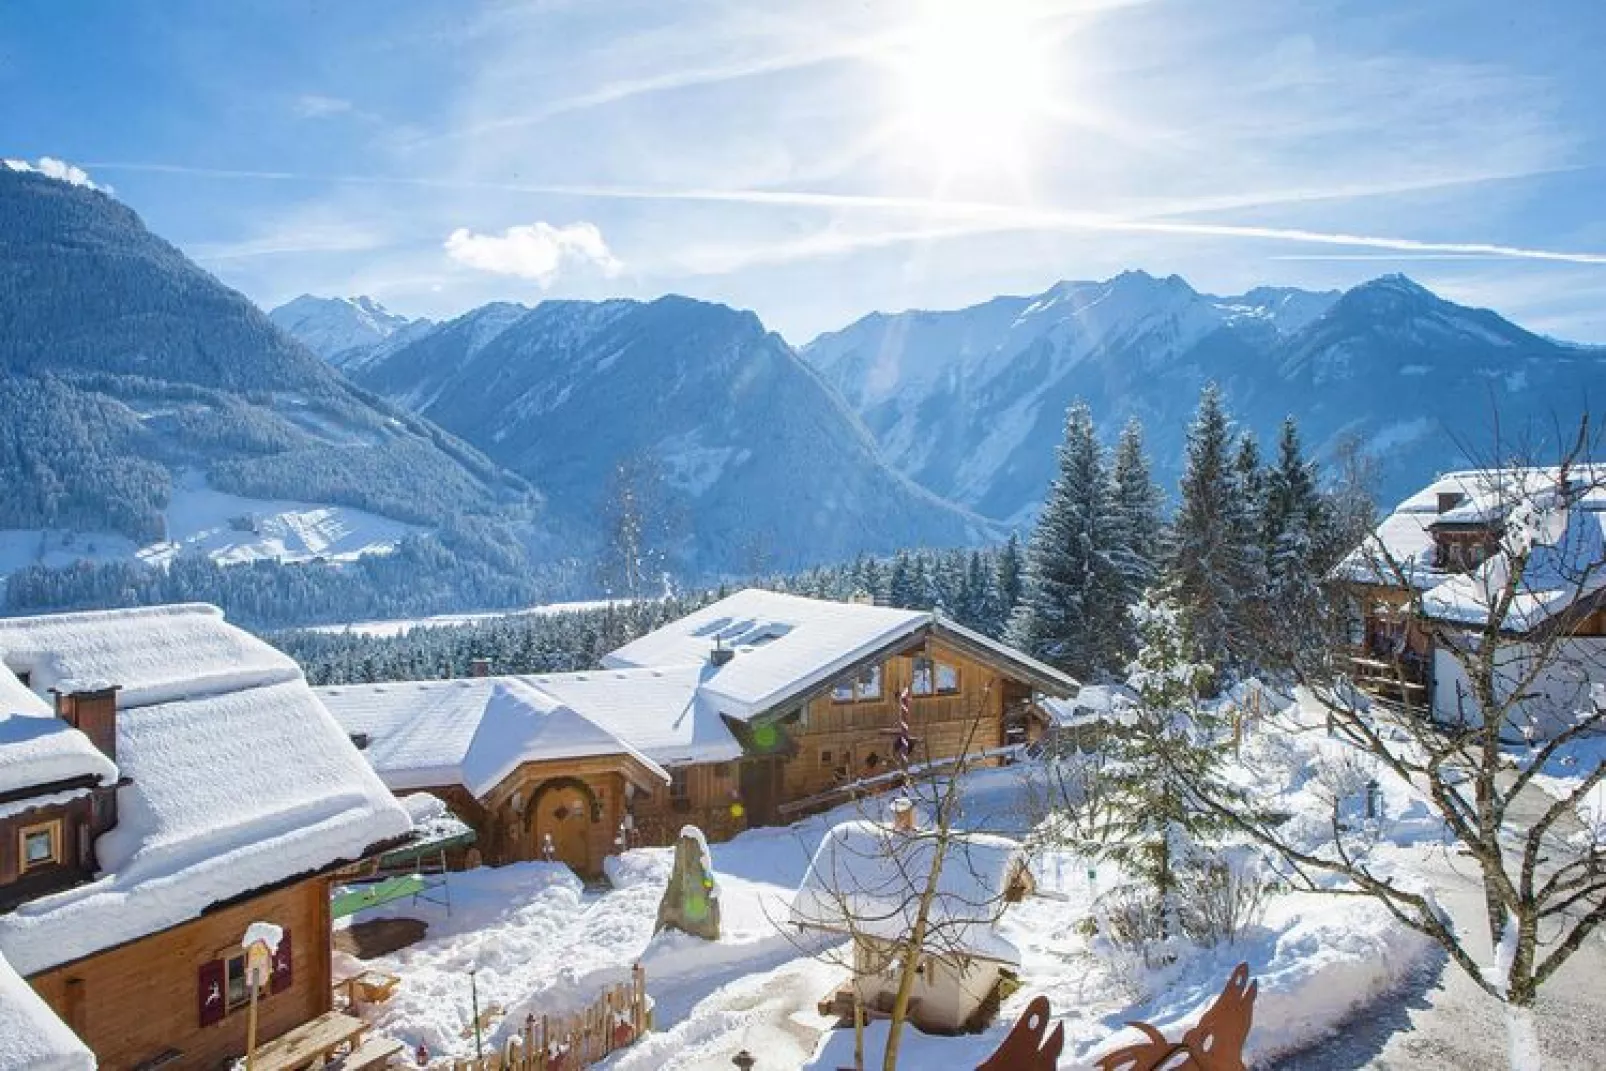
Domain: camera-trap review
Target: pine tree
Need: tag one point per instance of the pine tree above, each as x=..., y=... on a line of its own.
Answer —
x=1215, y=548
x=1007, y=582
x=1072, y=612
x=1291, y=524
x=1157, y=831
x=1137, y=506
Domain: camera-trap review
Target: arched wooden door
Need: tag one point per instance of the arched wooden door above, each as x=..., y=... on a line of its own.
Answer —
x=563, y=813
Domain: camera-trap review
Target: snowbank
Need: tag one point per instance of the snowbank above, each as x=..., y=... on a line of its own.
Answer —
x=31, y=1036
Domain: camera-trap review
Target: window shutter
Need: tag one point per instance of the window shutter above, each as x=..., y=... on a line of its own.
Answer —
x=210, y=999
x=282, y=976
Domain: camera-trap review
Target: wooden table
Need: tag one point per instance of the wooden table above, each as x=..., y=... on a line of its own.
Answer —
x=313, y=1042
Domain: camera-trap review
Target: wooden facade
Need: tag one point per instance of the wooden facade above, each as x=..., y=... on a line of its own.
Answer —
x=570, y=810
x=146, y=1003
x=70, y=829
x=830, y=741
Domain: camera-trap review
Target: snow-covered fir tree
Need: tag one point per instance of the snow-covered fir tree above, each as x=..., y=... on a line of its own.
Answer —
x=1293, y=514
x=1215, y=548
x=1138, y=502
x=1008, y=579
x=1157, y=831
x=1073, y=610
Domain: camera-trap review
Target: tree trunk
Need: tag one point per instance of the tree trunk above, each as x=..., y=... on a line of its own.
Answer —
x=1522, y=1038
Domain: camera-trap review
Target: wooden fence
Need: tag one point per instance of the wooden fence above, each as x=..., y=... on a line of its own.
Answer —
x=571, y=1042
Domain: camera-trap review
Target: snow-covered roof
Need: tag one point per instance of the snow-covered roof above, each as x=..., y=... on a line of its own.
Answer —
x=1483, y=497
x=471, y=732
x=154, y=654
x=1566, y=562
x=661, y=710
x=236, y=780
x=1093, y=703
x=37, y=748
x=31, y=1035
x=866, y=878
x=784, y=644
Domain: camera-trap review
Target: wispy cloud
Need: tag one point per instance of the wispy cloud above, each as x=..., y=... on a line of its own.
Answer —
x=317, y=106
x=60, y=170
x=536, y=251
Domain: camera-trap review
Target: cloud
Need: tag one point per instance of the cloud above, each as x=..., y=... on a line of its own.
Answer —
x=537, y=251
x=57, y=169
x=317, y=106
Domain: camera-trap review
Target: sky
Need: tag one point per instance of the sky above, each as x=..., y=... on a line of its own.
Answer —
x=816, y=161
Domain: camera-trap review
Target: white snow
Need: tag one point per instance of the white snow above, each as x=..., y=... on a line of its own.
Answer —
x=471, y=732
x=399, y=626
x=31, y=1035
x=663, y=711
x=237, y=777
x=268, y=933
x=784, y=644
x=154, y=654
x=37, y=748
x=868, y=878
x=50, y=799
x=229, y=529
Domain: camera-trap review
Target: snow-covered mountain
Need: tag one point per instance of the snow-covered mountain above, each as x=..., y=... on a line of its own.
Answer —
x=970, y=402
x=151, y=411
x=343, y=331
x=760, y=464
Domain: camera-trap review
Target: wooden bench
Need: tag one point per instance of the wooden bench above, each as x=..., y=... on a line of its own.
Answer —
x=376, y=1051
x=312, y=1043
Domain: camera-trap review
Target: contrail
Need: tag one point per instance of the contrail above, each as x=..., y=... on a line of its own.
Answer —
x=999, y=216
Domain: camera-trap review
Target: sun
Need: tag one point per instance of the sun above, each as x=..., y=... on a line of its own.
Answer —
x=972, y=82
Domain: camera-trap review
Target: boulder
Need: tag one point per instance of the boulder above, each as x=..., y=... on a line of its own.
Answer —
x=691, y=900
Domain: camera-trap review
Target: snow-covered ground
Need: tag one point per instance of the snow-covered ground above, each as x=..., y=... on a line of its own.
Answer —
x=396, y=626
x=540, y=942
x=229, y=529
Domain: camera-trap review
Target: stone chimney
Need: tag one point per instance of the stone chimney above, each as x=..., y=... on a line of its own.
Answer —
x=93, y=712
x=903, y=814
x=479, y=667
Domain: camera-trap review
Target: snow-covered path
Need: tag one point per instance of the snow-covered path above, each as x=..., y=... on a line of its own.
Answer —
x=1440, y=1018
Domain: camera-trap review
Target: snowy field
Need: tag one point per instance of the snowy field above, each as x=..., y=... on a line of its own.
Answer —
x=540, y=942
x=397, y=626
x=230, y=529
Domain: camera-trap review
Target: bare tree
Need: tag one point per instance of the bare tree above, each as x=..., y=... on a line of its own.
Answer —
x=1489, y=672
x=911, y=891
x=640, y=525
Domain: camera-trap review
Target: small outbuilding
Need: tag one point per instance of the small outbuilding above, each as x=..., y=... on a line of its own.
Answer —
x=865, y=883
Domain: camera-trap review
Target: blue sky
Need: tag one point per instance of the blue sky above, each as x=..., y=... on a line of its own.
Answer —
x=818, y=160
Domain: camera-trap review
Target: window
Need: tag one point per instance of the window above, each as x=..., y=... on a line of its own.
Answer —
x=41, y=845
x=931, y=677
x=679, y=789
x=863, y=687
x=825, y=758
x=239, y=994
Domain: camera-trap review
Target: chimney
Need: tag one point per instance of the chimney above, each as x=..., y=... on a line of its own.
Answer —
x=479, y=667
x=903, y=814
x=1449, y=500
x=720, y=655
x=93, y=712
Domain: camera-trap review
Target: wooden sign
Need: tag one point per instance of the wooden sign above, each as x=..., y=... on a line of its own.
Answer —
x=1216, y=1044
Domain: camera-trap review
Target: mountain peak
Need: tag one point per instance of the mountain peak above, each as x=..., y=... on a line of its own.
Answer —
x=336, y=327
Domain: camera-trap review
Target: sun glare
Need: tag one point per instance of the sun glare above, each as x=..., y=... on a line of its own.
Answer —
x=973, y=81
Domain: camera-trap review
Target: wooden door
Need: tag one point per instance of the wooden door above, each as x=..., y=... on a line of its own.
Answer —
x=564, y=815
x=761, y=789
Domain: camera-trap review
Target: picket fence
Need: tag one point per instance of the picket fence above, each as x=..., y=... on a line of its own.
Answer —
x=575, y=1041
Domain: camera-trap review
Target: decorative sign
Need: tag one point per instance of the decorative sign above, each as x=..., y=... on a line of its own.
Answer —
x=1216, y=1044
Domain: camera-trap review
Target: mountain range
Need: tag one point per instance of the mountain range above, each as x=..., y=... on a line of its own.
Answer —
x=749, y=460
x=970, y=402
x=155, y=413
x=152, y=411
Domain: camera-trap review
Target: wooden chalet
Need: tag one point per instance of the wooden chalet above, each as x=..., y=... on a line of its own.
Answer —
x=152, y=806
x=751, y=711
x=1433, y=568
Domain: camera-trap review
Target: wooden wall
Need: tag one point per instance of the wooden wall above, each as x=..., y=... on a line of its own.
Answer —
x=132, y=1003
x=77, y=864
x=517, y=813
x=941, y=724
x=850, y=733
